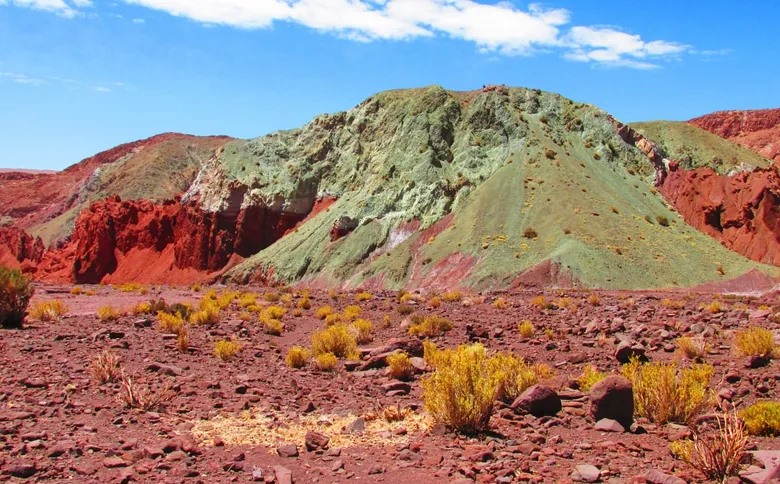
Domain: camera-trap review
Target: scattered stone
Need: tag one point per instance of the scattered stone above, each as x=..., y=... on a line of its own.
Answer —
x=357, y=426
x=316, y=441
x=114, y=462
x=283, y=475
x=22, y=471
x=169, y=370
x=539, y=401
x=770, y=459
x=626, y=351
x=397, y=386
x=613, y=398
x=287, y=450
x=658, y=477
x=609, y=425
x=586, y=473
x=754, y=362
x=375, y=469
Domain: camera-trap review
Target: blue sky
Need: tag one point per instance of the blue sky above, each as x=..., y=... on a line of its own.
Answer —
x=81, y=76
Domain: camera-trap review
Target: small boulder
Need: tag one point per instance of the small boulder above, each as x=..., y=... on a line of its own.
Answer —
x=658, y=477
x=613, y=398
x=316, y=441
x=586, y=473
x=539, y=401
x=283, y=475
x=627, y=351
x=609, y=425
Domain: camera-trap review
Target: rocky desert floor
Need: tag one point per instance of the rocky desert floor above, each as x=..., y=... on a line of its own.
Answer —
x=252, y=418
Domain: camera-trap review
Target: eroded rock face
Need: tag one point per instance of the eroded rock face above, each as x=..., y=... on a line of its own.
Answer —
x=758, y=130
x=18, y=247
x=742, y=211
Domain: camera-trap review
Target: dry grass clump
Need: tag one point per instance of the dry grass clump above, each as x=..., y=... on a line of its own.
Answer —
x=183, y=339
x=105, y=368
x=692, y=348
x=400, y=366
x=133, y=396
x=762, y=418
x=77, y=290
x=429, y=326
x=323, y=312
x=526, y=329
x=271, y=297
x=718, y=454
x=363, y=296
x=271, y=320
x=514, y=376
x=297, y=357
x=170, y=323
x=15, y=293
x=541, y=302
x=362, y=329
x=336, y=339
x=326, y=362
x=47, y=311
x=673, y=303
x=500, y=303
x=108, y=313
x=594, y=299
x=435, y=302
x=665, y=393
x=141, y=308
x=755, y=341
x=208, y=315
x=247, y=300
x=714, y=307
x=132, y=287
x=196, y=287
x=566, y=303
x=304, y=302
x=452, y=296
x=405, y=309
x=351, y=312
x=332, y=319
x=589, y=377
x=226, y=349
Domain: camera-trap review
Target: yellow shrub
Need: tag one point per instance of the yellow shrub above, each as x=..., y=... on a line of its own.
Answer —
x=405, y=297
x=304, y=303
x=541, y=302
x=526, y=328
x=272, y=312
x=430, y=326
x=693, y=349
x=170, y=323
x=351, y=312
x=673, y=303
x=196, y=287
x=665, y=393
x=332, y=319
x=682, y=449
x=108, y=313
x=362, y=329
x=713, y=307
x=247, y=299
x=273, y=327
x=324, y=312
x=183, y=339
x=131, y=287
x=589, y=377
x=435, y=302
x=566, y=303
x=363, y=296
x=431, y=353
x=460, y=392
x=76, y=290
x=287, y=300
x=226, y=349
x=336, y=339
x=452, y=296
x=755, y=341
x=762, y=418
x=297, y=357
x=326, y=362
x=513, y=376
x=271, y=297
x=594, y=299
x=208, y=316
x=142, y=308
x=500, y=303
x=46, y=311
x=333, y=294
x=400, y=366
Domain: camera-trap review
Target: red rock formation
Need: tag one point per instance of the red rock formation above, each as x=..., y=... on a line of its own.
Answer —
x=757, y=130
x=18, y=248
x=742, y=211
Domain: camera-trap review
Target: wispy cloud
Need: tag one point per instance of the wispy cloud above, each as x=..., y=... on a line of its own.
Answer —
x=20, y=78
x=60, y=7
x=501, y=28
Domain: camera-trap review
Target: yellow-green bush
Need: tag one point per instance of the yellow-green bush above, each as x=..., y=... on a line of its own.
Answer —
x=514, y=376
x=326, y=362
x=526, y=328
x=665, y=393
x=336, y=339
x=762, y=418
x=297, y=357
x=142, y=308
x=15, y=293
x=755, y=341
x=400, y=366
x=362, y=329
x=108, y=313
x=273, y=327
x=323, y=312
x=332, y=319
x=429, y=326
x=351, y=312
x=693, y=349
x=363, y=296
x=170, y=323
x=208, y=316
x=589, y=377
x=226, y=349
x=47, y=311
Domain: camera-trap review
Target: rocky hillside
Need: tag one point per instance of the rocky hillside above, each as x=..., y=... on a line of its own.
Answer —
x=414, y=188
x=758, y=130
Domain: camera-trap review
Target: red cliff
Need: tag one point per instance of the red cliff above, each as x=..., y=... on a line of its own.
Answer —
x=757, y=130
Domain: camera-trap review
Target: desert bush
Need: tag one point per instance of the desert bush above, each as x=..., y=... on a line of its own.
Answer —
x=274, y=327
x=430, y=326
x=714, y=307
x=594, y=299
x=589, y=377
x=460, y=393
x=77, y=290
x=133, y=396
x=183, y=339
x=170, y=323
x=323, y=312
x=351, y=312
x=105, y=368
x=196, y=287
x=400, y=366
x=672, y=303
x=762, y=418
x=514, y=376
x=755, y=341
x=142, y=308
x=362, y=329
x=304, y=303
x=15, y=293
x=271, y=297
x=500, y=303
x=717, y=454
x=526, y=328
x=566, y=303
x=226, y=349
x=435, y=302
x=247, y=299
x=541, y=302
x=363, y=296
x=297, y=357
x=108, y=313
x=332, y=319
x=336, y=339
x=692, y=348
x=405, y=309
x=184, y=310
x=452, y=296
x=326, y=362
x=47, y=311
x=131, y=287
x=208, y=316
x=665, y=393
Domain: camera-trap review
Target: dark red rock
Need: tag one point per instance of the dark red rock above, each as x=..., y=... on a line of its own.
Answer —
x=539, y=401
x=316, y=441
x=613, y=398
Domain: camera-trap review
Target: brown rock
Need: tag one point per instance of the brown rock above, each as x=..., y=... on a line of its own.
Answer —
x=316, y=441
x=539, y=401
x=613, y=398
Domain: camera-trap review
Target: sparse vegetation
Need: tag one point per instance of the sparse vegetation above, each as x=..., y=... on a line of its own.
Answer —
x=400, y=366
x=714, y=307
x=108, y=313
x=132, y=287
x=755, y=341
x=500, y=303
x=363, y=296
x=452, y=296
x=762, y=418
x=526, y=329
x=405, y=309
x=513, y=376
x=47, y=311
x=133, y=396
x=589, y=377
x=594, y=299
x=692, y=348
x=297, y=357
x=351, y=312
x=324, y=312
x=665, y=393
x=226, y=349
x=326, y=362
x=106, y=368
x=183, y=339
x=207, y=316
x=336, y=339
x=15, y=293
x=362, y=329
x=429, y=326
x=170, y=323
x=541, y=302
x=673, y=303
x=717, y=454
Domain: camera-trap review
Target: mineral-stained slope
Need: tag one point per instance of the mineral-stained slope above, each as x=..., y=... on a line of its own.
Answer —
x=479, y=189
x=758, y=130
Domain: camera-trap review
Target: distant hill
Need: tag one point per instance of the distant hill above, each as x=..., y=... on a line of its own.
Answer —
x=758, y=130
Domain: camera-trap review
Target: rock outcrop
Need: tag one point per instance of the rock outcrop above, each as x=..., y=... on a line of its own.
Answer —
x=18, y=248
x=758, y=130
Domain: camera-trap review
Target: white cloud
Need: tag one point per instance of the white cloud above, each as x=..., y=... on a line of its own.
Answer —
x=21, y=78
x=493, y=27
x=102, y=89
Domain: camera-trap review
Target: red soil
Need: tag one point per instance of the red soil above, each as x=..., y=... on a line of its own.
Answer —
x=742, y=211
x=757, y=130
